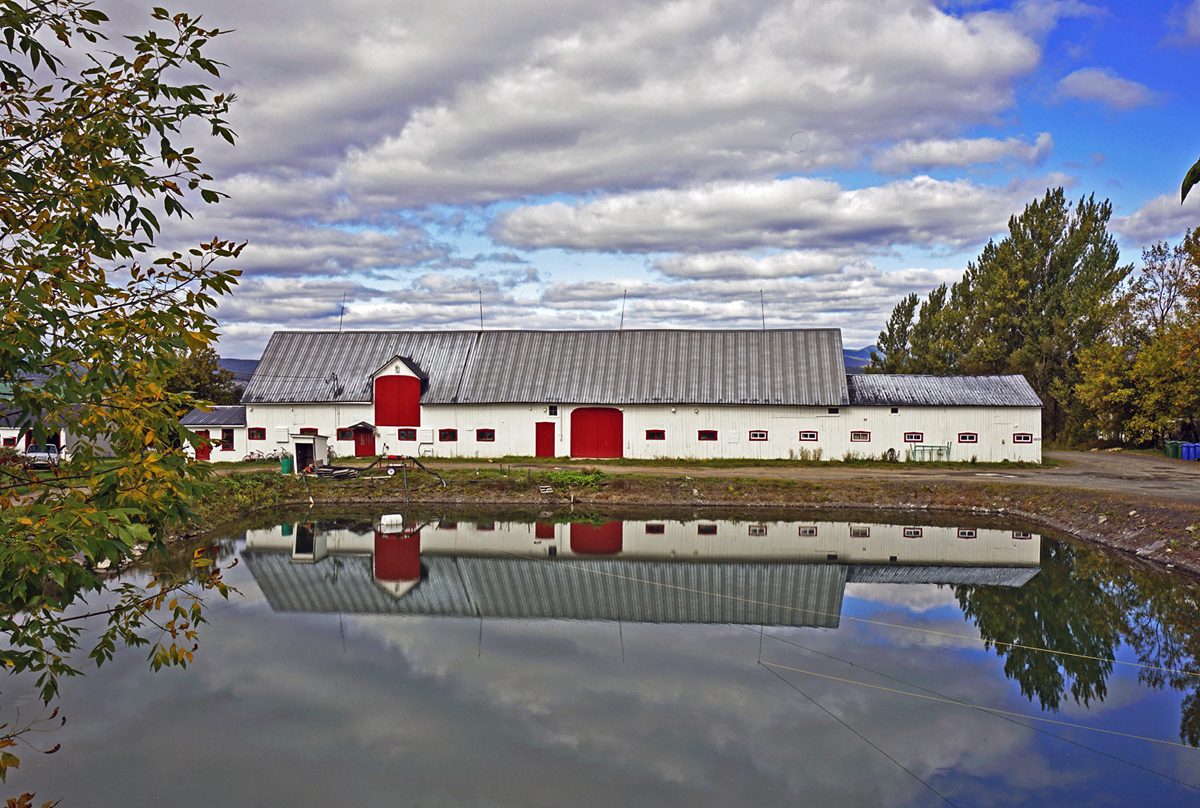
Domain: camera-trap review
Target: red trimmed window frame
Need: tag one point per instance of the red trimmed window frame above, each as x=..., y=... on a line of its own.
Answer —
x=447, y=435
x=758, y=434
x=1022, y=437
x=406, y=434
x=815, y=435
x=485, y=435
x=256, y=433
x=656, y=434
x=914, y=437
x=968, y=437
x=345, y=434
x=707, y=434
x=853, y=439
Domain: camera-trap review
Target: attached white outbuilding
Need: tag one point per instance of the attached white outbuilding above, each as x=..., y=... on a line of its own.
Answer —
x=637, y=394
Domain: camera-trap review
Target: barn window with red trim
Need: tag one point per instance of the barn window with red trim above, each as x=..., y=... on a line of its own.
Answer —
x=485, y=435
x=256, y=433
x=406, y=434
x=345, y=434
x=447, y=435
x=706, y=434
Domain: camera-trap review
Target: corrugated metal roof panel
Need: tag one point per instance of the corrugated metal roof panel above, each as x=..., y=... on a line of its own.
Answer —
x=220, y=416
x=879, y=389
x=950, y=576
x=800, y=367
x=614, y=589
x=318, y=366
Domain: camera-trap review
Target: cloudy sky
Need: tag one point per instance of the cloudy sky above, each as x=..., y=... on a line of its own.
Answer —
x=553, y=158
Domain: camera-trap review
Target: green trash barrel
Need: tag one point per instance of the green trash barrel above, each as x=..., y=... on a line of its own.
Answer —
x=1173, y=449
x=285, y=465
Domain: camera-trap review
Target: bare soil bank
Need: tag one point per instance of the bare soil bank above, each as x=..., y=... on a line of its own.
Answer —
x=1141, y=523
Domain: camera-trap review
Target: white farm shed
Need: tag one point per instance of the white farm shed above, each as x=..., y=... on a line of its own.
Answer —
x=637, y=394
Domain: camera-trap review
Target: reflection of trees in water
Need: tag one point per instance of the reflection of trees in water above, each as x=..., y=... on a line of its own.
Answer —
x=1085, y=604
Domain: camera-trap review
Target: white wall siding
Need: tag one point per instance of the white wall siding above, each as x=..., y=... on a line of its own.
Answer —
x=514, y=427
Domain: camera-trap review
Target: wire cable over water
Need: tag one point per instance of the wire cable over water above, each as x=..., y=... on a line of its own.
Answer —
x=863, y=620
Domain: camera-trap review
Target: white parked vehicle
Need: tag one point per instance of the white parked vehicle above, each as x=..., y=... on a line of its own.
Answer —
x=42, y=456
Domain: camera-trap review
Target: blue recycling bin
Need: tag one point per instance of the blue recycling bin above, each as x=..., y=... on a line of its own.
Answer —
x=1188, y=450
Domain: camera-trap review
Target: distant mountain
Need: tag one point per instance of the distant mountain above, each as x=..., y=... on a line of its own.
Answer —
x=857, y=359
x=242, y=369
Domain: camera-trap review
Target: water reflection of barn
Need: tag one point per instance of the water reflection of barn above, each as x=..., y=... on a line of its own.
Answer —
x=387, y=571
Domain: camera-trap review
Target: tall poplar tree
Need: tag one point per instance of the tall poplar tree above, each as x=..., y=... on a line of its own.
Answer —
x=1028, y=304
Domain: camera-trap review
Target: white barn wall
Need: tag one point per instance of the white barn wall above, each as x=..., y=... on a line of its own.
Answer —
x=514, y=426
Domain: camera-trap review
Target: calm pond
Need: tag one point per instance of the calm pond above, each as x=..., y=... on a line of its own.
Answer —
x=485, y=659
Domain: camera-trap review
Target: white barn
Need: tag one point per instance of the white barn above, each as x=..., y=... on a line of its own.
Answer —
x=606, y=394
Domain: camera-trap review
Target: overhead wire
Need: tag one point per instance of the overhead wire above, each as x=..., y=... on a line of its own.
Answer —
x=867, y=740
x=838, y=615
x=1007, y=718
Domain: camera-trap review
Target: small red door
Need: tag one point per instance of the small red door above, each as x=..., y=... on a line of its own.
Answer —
x=544, y=444
x=397, y=556
x=204, y=450
x=364, y=443
x=597, y=432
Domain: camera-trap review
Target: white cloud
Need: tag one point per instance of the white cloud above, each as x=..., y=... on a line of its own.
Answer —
x=1161, y=218
x=929, y=154
x=792, y=213
x=1106, y=87
x=1184, y=23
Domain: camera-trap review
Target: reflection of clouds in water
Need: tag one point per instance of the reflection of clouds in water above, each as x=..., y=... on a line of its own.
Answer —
x=913, y=598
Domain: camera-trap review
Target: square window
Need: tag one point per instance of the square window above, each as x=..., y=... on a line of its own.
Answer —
x=833, y=410
x=406, y=434
x=1022, y=437
x=485, y=435
x=808, y=436
x=914, y=437
x=656, y=530
x=706, y=434
x=226, y=440
x=967, y=533
x=758, y=434
x=345, y=434
x=758, y=530
x=447, y=435
x=914, y=532
x=968, y=437
x=860, y=437
x=256, y=433
x=808, y=530
x=553, y=409
x=860, y=532
x=706, y=530
x=656, y=434
x=308, y=430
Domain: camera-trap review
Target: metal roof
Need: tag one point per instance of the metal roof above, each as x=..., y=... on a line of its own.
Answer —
x=610, y=589
x=797, y=367
x=311, y=366
x=220, y=416
x=1015, y=577
x=941, y=391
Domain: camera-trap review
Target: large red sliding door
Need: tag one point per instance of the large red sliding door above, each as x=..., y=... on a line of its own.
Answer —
x=397, y=401
x=587, y=539
x=597, y=432
x=544, y=439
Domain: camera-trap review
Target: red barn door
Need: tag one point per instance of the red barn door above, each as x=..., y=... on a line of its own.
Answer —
x=397, y=401
x=544, y=439
x=597, y=432
x=588, y=539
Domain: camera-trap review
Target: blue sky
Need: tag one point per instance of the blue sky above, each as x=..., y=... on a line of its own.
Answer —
x=688, y=155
